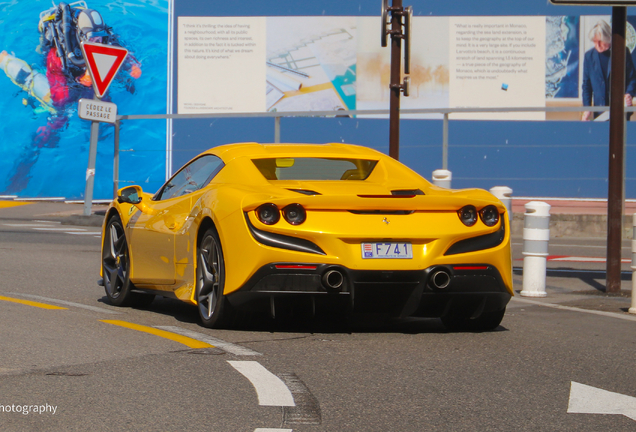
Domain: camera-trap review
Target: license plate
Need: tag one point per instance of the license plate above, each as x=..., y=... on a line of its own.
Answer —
x=391, y=250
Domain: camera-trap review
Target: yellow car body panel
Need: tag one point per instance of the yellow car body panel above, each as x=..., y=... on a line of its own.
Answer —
x=163, y=234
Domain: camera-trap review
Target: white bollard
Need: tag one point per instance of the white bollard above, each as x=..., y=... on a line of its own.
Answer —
x=536, y=234
x=442, y=178
x=504, y=194
x=633, y=266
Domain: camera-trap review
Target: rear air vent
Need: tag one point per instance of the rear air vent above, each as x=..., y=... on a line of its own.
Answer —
x=407, y=192
x=305, y=191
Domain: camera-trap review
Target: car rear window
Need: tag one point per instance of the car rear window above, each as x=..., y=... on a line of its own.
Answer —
x=308, y=168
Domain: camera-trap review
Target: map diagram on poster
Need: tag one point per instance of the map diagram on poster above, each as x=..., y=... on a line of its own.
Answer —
x=497, y=62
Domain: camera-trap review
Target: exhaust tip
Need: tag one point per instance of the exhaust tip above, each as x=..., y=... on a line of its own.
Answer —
x=333, y=279
x=440, y=279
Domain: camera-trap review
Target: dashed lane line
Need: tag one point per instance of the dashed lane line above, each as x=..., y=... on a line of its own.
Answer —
x=189, y=342
x=270, y=389
x=218, y=343
x=31, y=303
x=67, y=303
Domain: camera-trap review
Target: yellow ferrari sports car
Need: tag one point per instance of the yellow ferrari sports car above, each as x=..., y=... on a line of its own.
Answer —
x=249, y=225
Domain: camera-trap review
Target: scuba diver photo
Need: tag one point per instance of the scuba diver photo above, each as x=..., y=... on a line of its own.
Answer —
x=52, y=86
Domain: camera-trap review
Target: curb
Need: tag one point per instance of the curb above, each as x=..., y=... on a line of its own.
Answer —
x=575, y=225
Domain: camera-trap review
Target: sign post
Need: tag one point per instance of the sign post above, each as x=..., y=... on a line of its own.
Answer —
x=616, y=175
x=103, y=63
x=397, y=34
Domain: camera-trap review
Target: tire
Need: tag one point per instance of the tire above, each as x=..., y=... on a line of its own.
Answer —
x=487, y=321
x=116, y=264
x=214, y=308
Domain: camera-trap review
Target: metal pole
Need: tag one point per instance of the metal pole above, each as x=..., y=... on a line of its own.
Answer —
x=632, y=309
x=116, y=161
x=616, y=151
x=445, y=142
x=276, y=129
x=90, y=171
x=396, y=63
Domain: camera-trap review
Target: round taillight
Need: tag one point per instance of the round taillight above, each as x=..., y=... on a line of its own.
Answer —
x=295, y=214
x=489, y=215
x=468, y=215
x=268, y=213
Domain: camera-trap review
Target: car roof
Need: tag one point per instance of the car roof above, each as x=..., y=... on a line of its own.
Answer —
x=257, y=151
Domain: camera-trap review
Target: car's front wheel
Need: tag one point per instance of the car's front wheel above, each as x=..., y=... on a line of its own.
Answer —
x=116, y=264
x=116, y=269
x=214, y=309
x=485, y=322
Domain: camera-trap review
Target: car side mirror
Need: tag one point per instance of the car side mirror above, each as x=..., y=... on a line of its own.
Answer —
x=130, y=195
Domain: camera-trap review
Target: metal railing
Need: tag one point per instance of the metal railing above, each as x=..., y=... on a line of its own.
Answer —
x=445, y=112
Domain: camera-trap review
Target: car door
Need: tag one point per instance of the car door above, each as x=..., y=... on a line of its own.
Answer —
x=153, y=233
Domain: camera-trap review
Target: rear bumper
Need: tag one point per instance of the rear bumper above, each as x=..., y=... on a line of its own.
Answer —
x=471, y=289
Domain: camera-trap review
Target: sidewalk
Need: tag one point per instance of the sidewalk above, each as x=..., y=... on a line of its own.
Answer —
x=65, y=213
x=567, y=288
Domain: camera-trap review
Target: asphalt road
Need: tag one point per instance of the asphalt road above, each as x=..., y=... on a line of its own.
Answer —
x=83, y=360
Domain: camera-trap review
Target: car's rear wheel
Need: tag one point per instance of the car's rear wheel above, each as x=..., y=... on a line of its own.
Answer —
x=485, y=322
x=214, y=309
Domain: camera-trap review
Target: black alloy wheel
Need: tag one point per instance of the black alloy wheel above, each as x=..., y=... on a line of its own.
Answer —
x=115, y=264
x=116, y=268
x=214, y=309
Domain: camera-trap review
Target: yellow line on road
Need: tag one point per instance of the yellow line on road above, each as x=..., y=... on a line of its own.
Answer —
x=6, y=204
x=31, y=303
x=189, y=342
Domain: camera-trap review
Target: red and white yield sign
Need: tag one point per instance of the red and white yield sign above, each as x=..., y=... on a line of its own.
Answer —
x=103, y=63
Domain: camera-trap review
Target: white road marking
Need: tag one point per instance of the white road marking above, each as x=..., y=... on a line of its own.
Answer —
x=48, y=226
x=27, y=225
x=270, y=389
x=67, y=303
x=218, y=343
x=586, y=399
x=575, y=309
x=272, y=430
x=48, y=222
x=60, y=229
x=41, y=199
